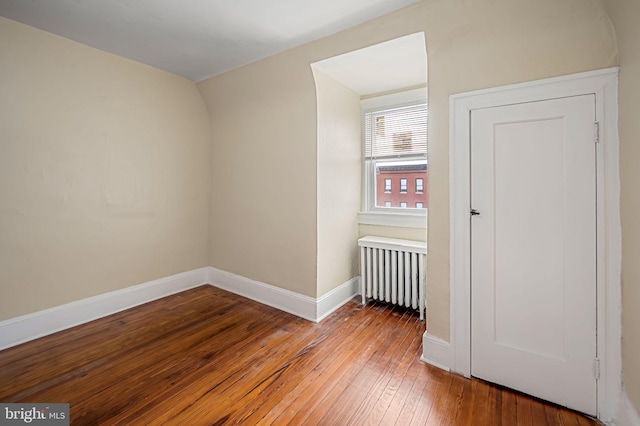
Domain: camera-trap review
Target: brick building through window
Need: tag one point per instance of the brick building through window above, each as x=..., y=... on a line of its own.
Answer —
x=407, y=183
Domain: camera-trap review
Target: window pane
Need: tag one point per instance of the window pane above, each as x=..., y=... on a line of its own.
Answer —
x=419, y=206
x=395, y=156
x=406, y=174
x=397, y=131
x=403, y=204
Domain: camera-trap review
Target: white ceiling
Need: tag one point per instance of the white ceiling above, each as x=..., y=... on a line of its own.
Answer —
x=396, y=64
x=195, y=38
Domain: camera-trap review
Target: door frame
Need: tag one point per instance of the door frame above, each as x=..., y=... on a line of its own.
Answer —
x=604, y=85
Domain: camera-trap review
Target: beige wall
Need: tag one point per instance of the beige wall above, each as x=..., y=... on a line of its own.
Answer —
x=471, y=45
x=104, y=170
x=339, y=174
x=625, y=15
x=416, y=234
x=263, y=204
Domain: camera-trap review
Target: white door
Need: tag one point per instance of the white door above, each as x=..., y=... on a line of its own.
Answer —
x=533, y=249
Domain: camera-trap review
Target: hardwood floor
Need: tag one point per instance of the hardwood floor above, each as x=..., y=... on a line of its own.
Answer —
x=209, y=357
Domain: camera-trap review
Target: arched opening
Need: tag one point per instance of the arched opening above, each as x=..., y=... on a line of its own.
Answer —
x=385, y=78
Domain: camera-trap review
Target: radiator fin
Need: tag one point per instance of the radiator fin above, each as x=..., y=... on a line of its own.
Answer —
x=393, y=271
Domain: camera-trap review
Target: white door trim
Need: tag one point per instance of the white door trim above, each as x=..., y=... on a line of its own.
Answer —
x=604, y=84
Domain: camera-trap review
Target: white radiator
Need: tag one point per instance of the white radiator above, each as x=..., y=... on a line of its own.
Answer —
x=393, y=271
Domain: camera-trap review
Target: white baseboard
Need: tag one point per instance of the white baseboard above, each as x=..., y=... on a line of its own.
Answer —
x=436, y=352
x=306, y=307
x=329, y=302
x=276, y=297
x=38, y=324
x=627, y=413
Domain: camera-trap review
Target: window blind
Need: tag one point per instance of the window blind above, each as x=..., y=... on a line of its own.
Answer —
x=396, y=132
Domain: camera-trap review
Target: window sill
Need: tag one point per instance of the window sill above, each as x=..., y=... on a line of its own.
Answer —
x=399, y=219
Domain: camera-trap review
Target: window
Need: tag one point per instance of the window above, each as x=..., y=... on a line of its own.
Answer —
x=403, y=185
x=395, y=153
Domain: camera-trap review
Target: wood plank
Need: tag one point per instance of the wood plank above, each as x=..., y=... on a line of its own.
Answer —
x=538, y=416
x=508, y=413
x=399, y=399
x=415, y=398
x=350, y=391
x=435, y=398
x=294, y=406
x=472, y=403
x=489, y=411
x=134, y=357
x=452, y=404
x=206, y=356
x=98, y=340
x=312, y=375
x=379, y=396
x=523, y=410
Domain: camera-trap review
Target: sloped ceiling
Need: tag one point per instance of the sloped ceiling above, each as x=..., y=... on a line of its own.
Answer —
x=195, y=38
